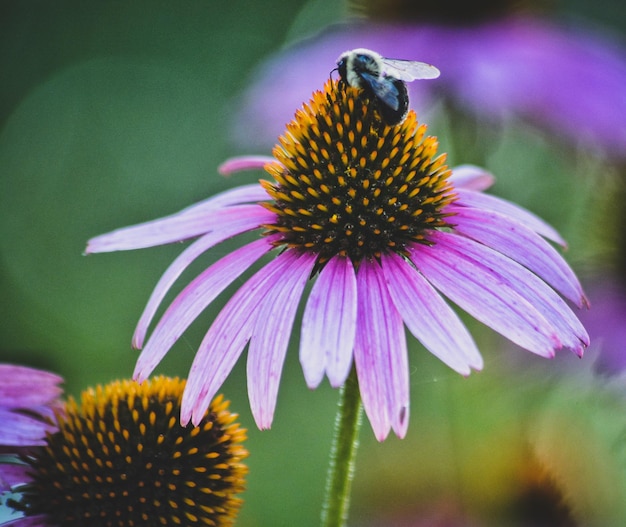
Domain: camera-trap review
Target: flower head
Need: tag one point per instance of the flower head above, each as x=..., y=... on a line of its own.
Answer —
x=375, y=216
x=120, y=457
x=344, y=184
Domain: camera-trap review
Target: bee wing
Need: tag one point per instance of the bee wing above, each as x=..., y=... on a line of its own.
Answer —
x=383, y=89
x=409, y=70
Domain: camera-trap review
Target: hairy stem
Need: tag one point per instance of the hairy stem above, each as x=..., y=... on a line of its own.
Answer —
x=343, y=454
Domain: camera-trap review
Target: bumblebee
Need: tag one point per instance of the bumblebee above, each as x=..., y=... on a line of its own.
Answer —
x=383, y=80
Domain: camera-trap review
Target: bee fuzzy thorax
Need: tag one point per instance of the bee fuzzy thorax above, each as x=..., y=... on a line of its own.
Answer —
x=352, y=64
x=382, y=80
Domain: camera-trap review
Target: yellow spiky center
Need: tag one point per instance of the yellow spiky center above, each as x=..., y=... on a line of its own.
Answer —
x=345, y=183
x=121, y=458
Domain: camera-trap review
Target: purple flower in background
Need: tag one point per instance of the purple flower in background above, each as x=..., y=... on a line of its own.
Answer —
x=606, y=326
x=385, y=228
x=567, y=80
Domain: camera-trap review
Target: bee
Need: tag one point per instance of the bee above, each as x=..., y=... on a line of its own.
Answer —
x=383, y=80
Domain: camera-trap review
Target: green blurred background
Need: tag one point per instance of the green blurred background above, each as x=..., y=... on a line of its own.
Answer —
x=114, y=112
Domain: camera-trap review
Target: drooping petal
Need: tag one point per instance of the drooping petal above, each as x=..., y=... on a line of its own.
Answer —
x=329, y=324
x=521, y=244
x=471, y=177
x=231, y=226
x=492, y=203
x=527, y=285
x=187, y=223
x=193, y=300
x=268, y=345
x=428, y=317
x=507, y=278
x=473, y=287
x=380, y=354
x=240, y=163
x=226, y=338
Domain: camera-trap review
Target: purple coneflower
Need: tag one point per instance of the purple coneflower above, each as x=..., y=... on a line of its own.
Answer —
x=385, y=227
x=119, y=456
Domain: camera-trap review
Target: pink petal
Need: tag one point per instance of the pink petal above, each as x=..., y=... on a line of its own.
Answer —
x=232, y=225
x=521, y=244
x=14, y=376
x=266, y=354
x=194, y=299
x=487, y=202
x=20, y=430
x=471, y=177
x=24, y=387
x=29, y=521
x=188, y=223
x=12, y=474
x=226, y=338
x=380, y=355
x=428, y=316
x=529, y=286
x=474, y=288
x=498, y=271
x=240, y=163
x=329, y=324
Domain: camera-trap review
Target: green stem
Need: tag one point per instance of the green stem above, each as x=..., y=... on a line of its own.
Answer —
x=343, y=454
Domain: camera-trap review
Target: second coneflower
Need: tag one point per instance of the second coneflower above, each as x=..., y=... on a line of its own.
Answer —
x=372, y=213
x=119, y=457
